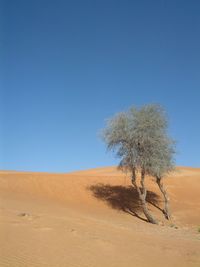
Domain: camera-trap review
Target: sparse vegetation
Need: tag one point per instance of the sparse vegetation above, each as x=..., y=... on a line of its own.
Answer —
x=173, y=226
x=139, y=138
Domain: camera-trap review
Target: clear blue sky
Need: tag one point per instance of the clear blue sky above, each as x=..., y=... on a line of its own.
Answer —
x=66, y=66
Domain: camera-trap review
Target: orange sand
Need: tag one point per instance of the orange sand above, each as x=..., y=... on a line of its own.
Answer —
x=93, y=219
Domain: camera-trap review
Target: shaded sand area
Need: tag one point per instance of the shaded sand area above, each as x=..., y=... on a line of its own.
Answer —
x=92, y=218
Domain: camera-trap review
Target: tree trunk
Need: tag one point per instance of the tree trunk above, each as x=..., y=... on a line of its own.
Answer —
x=142, y=192
x=166, y=209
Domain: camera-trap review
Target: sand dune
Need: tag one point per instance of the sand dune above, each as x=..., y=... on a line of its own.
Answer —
x=93, y=218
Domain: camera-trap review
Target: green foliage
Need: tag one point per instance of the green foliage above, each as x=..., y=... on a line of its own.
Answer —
x=139, y=138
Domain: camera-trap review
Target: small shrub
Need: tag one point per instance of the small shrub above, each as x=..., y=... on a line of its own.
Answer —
x=173, y=226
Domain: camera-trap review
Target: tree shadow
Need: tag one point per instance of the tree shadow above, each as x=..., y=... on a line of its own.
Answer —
x=123, y=198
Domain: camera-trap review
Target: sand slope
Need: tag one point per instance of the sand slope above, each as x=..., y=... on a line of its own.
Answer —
x=93, y=218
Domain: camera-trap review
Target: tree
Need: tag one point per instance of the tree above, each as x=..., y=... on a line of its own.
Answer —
x=139, y=138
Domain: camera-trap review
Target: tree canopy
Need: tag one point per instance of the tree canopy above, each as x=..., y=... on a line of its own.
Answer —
x=140, y=139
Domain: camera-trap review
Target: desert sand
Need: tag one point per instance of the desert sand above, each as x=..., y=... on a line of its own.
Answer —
x=93, y=218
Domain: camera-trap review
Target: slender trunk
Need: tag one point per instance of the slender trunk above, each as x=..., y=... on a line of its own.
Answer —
x=142, y=192
x=133, y=176
x=166, y=209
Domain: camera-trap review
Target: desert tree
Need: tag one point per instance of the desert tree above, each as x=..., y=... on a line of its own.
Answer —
x=161, y=165
x=139, y=138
